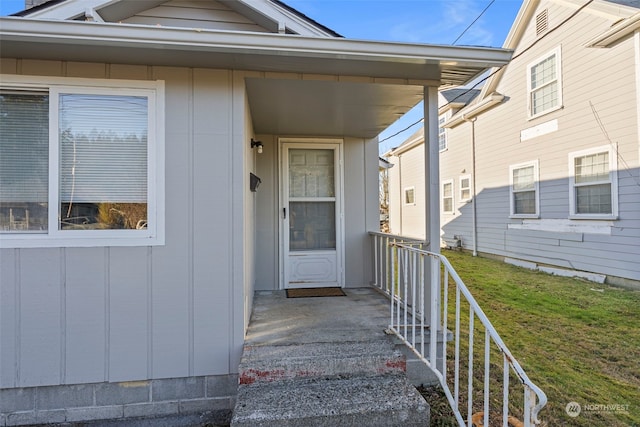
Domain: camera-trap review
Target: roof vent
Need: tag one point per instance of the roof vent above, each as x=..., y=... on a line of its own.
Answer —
x=542, y=22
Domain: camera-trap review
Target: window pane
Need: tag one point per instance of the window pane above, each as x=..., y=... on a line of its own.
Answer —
x=544, y=98
x=409, y=196
x=543, y=72
x=312, y=225
x=447, y=204
x=593, y=199
x=592, y=168
x=24, y=161
x=311, y=173
x=523, y=179
x=447, y=190
x=103, y=161
x=442, y=134
x=524, y=202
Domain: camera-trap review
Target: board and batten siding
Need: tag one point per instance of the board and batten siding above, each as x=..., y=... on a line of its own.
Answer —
x=604, y=78
x=83, y=315
x=210, y=15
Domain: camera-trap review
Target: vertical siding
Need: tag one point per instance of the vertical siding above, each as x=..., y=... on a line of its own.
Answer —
x=131, y=313
x=212, y=185
x=84, y=314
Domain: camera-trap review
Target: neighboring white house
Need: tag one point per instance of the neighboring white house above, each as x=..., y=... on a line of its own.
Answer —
x=132, y=236
x=542, y=168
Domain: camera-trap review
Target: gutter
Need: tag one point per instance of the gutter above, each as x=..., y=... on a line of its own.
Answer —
x=474, y=110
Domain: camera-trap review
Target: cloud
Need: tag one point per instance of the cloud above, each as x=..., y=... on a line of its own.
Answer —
x=443, y=23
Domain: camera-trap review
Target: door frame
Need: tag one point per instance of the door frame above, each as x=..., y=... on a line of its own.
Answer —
x=323, y=143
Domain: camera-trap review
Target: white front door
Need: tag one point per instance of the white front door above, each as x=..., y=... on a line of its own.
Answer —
x=311, y=214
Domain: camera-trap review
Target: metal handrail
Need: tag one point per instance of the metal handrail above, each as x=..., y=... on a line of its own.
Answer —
x=400, y=270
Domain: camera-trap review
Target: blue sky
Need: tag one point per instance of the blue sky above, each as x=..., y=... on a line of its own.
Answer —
x=413, y=21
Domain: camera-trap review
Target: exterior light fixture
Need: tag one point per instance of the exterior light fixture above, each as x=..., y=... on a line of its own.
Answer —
x=257, y=144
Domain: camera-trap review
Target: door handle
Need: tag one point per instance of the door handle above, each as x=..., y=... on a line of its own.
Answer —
x=284, y=212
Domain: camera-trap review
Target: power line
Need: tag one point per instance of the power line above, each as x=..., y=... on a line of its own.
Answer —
x=474, y=21
x=498, y=68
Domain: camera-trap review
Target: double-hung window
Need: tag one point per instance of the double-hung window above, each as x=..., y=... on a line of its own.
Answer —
x=523, y=188
x=465, y=188
x=544, y=84
x=81, y=162
x=447, y=196
x=442, y=134
x=410, y=196
x=593, y=183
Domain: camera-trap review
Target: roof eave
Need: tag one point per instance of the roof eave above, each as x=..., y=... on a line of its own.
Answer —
x=474, y=110
x=616, y=33
x=454, y=62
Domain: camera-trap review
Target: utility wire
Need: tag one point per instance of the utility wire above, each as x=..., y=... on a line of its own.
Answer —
x=613, y=145
x=498, y=68
x=474, y=21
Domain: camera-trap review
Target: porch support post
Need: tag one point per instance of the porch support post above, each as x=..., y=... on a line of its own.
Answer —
x=432, y=198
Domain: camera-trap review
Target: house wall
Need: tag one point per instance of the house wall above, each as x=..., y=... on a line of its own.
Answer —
x=360, y=216
x=165, y=316
x=211, y=15
x=407, y=219
x=604, y=78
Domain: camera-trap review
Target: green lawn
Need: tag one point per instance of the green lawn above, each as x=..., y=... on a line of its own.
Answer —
x=577, y=340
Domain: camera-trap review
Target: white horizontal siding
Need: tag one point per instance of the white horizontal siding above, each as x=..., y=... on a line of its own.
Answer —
x=211, y=15
x=602, y=77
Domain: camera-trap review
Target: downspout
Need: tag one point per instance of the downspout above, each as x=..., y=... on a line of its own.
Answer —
x=474, y=230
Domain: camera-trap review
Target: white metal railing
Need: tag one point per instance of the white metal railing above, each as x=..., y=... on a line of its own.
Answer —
x=409, y=276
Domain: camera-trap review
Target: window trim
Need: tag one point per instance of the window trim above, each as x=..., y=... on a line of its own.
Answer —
x=558, y=52
x=404, y=198
x=453, y=199
x=54, y=237
x=536, y=183
x=460, y=188
x=442, y=132
x=613, y=180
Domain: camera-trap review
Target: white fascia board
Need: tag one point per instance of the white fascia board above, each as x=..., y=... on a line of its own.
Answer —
x=474, y=110
x=69, y=9
x=617, y=32
x=194, y=39
x=292, y=21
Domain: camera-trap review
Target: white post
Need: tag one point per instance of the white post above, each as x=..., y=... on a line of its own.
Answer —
x=432, y=200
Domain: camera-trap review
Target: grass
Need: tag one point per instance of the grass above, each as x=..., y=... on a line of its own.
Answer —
x=577, y=340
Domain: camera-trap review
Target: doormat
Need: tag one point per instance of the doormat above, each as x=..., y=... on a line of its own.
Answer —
x=315, y=292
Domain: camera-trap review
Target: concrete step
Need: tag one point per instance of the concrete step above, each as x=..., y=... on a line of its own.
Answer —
x=268, y=363
x=384, y=401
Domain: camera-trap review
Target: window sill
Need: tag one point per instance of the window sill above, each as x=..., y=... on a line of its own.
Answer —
x=593, y=217
x=524, y=216
x=544, y=113
x=12, y=241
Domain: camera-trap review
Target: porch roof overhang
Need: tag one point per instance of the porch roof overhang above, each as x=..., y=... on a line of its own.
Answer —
x=366, y=85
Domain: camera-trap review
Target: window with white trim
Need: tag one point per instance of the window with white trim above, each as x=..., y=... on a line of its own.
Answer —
x=447, y=196
x=544, y=84
x=81, y=162
x=410, y=196
x=465, y=188
x=442, y=134
x=523, y=189
x=593, y=183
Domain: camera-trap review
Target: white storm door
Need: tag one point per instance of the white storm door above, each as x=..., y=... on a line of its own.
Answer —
x=311, y=215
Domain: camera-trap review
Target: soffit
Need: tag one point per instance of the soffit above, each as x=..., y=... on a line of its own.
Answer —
x=389, y=76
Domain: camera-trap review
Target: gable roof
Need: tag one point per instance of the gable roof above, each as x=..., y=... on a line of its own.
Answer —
x=274, y=15
x=626, y=9
x=348, y=87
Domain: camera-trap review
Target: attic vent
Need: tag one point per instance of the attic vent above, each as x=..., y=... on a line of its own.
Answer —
x=542, y=22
